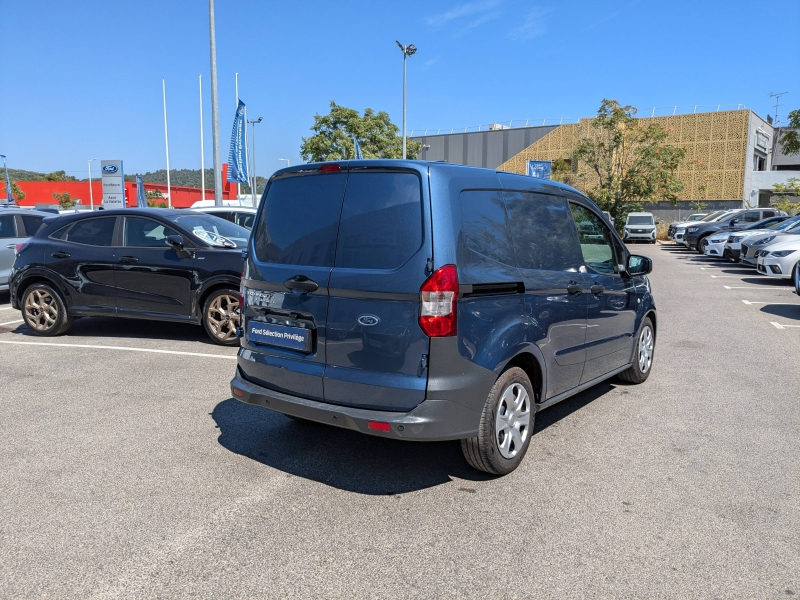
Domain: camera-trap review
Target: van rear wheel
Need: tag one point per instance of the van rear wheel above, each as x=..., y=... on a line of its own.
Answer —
x=506, y=425
x=642, y=364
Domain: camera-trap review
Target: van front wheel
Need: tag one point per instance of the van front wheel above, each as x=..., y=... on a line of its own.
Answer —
x=504, y=433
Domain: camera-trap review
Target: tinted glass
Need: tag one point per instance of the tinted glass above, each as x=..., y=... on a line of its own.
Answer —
x=299, y=222
x=31, y=223
x=245, y=220
x=543, y=232
x=143, y=233
x=640, y=220
x=714, y=215
x=750, y=217
x=212, y=230
x=768, y=213
x=596, y=242
x=484, y=225
x=381, y=224
x=7, y=227
x=93, y=232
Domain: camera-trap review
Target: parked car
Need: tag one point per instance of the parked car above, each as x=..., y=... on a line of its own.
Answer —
x=425, y=301
x=696, y=237
x=677, y=229
x=718, y=242
x=780, y=260
x=609, y=217
x=754, y=244
x=733, y=247
x=137, y=263
x=243, y=216
x=640, y=227
x=797, y=278
x=16, y=226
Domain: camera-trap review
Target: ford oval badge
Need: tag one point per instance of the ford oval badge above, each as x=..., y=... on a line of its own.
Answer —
x=368, y=320
x=109, y=168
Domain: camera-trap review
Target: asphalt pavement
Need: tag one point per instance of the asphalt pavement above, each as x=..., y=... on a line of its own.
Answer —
x=129, y=472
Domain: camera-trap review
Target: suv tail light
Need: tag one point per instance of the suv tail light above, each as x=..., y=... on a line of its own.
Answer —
x=18, y=248
x=437, y=302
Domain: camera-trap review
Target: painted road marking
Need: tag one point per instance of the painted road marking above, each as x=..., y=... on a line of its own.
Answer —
x=12, y=322
x=780, y=326
x=756, y=287
x=91, y=346
x=721, y=276
x=766, y=302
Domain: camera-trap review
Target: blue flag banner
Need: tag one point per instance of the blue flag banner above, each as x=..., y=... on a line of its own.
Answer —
x=141, y=197
x=358, y=156
x=237, y=159
x=539, y=168
x=9, y=197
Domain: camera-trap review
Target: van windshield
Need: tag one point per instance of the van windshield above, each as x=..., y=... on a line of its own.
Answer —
x=640, y=220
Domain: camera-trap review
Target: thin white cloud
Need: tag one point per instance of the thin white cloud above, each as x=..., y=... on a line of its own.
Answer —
x=464, y=10
x=532, y=26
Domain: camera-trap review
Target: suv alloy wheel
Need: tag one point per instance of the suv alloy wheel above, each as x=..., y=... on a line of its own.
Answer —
x=44, y=311
x=221, y=317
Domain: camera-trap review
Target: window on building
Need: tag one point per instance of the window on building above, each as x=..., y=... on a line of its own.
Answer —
x=759, y=162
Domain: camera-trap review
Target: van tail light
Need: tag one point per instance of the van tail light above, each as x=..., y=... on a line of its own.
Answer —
x=241, y=293
x=437, y=302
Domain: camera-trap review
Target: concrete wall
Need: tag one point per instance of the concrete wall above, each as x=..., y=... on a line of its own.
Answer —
x=752, y=179
x=665, y=211
x=487, y=149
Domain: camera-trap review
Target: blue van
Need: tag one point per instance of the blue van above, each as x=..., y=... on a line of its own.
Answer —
x=427, y=301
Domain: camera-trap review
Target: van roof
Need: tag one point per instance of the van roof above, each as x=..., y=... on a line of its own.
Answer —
x=640, y=214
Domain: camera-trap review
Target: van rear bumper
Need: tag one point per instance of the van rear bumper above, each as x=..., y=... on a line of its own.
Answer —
x=432, y=420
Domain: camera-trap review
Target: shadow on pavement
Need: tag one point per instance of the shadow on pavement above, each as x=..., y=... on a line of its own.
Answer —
x=766, y=281
x=787, y=311
x=352, y=461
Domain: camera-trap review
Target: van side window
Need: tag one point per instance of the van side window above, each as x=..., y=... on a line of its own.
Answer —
x=381, y=224
x=596, y=240
x=300, y=219
x=544, y=236
x=484, y=225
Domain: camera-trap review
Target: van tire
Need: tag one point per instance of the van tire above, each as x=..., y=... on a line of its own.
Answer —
x=52, y=318
x=640, y=368
x=484, y=452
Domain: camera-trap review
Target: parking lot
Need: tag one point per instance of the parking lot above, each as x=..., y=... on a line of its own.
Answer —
x=129, y=471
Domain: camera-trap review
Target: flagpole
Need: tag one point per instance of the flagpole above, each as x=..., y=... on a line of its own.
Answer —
x=215, y=107
x=166, y=140
x=202, y=153
x=238, y=191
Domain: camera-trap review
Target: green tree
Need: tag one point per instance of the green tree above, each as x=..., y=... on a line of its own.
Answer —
x=790, y=141
x=58, y=176
x=630, y=161
x=788, y=196
x=16, y=192
x=375, y=132
x=64, y=200
x=155, y=199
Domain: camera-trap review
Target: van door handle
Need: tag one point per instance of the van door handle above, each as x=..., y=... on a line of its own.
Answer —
x=60, y=254
x=128, y=260
x=597, y=288
x=573, y=287
x=301, y=283
x=11, y=246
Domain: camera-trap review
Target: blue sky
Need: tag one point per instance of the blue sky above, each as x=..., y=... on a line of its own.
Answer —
x=82, y=79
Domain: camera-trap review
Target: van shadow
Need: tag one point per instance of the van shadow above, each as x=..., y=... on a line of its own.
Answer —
x=787, y=311
x=354, y=462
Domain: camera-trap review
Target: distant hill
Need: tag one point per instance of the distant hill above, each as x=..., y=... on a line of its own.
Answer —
x=23, y=175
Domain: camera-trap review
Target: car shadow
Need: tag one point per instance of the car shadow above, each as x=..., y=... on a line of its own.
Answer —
x=787, y=311
x=354, y=462
x=766, y=281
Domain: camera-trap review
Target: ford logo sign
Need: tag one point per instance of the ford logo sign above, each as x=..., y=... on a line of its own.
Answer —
x=110, y=168
x=368, y=320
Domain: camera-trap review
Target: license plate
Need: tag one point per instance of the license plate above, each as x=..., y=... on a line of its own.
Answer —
x=283, y=336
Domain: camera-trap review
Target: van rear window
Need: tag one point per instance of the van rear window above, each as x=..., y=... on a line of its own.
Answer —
x=381, y=224
x=300, y=219
x=485, y=226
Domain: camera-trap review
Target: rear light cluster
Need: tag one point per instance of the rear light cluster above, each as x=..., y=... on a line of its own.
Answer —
x=18, y=248
x=241, y=292
x=437, y=303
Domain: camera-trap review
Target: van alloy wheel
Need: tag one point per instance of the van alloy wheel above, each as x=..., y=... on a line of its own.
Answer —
x=645, y=349
x=222, y=317
x=512, y=424
x=41, y=310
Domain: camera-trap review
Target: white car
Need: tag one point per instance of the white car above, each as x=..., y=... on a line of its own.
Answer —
x=733, y=248
x=243, y=216
x=639, y=227
x=716, y=244
x=754, y=244
x=780, y=260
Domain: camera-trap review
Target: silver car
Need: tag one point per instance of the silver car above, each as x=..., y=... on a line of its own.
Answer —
x=16, y=226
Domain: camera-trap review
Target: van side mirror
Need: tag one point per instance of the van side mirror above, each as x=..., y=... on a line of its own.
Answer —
x=176, y=243
x=639, y=265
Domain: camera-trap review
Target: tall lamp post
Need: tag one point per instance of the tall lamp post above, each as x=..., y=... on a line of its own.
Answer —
x=407, y=51
x=215, y=108
x=287, y=162
x=9, y=197
x=91, y=194
x=254, y=188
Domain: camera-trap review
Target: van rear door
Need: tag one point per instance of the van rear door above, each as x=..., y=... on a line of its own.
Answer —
x=376, y=351
x=286, y=282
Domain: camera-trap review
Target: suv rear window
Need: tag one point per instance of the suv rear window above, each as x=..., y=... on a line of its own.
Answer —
x=381, y=224
x=300, y=219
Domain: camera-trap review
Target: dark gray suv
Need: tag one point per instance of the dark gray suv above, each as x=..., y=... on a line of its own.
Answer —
x=426, y=301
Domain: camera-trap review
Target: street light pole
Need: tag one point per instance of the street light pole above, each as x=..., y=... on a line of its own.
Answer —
x=407, y=51
x=215, y=108
x=166, y=141
x=254, y=188
x=91, y=195
x=287, y=162
x=202, y=152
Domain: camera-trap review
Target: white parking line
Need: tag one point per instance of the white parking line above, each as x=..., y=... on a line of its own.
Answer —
x=118, y=348
x=781, y=326
x=767, y=302
x=721, y=276
x=11, y=322
x=756, y=287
